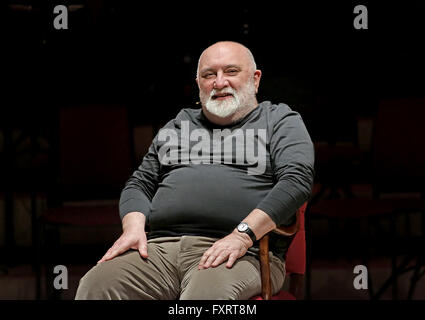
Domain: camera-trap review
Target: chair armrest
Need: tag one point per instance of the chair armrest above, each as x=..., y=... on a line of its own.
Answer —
x=288, y=231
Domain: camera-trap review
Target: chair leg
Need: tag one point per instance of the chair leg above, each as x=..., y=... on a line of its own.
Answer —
x=420, y=262
x=266, y=290
x=395, y=273
x=416, y=276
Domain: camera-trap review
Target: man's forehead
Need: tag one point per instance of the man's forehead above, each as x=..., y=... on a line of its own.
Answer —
x=224, y=54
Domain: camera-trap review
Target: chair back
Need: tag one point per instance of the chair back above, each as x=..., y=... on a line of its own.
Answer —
x=296, y=255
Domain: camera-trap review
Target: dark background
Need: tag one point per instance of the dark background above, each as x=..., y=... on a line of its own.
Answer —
x=144, y=56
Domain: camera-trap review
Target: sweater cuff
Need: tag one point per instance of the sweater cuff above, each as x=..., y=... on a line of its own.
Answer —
x=133, y=200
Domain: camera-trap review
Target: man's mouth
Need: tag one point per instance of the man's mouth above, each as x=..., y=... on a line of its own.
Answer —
x=222, y=96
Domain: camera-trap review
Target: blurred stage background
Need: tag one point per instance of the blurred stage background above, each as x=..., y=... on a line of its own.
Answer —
x=361, y=94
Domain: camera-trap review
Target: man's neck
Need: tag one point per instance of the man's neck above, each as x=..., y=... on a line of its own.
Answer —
x=239, y=114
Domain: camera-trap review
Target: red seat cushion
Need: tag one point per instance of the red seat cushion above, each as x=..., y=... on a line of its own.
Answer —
x=282, y=295
x=296, y=255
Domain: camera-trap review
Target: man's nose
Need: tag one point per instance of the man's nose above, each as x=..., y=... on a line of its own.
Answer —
x=220, y=81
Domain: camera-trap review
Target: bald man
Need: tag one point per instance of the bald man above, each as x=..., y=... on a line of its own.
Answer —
x=214, y=181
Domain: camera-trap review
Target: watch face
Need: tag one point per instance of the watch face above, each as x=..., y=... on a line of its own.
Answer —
x=242, y=227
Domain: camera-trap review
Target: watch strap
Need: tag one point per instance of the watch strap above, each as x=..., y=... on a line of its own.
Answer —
x=251, y=234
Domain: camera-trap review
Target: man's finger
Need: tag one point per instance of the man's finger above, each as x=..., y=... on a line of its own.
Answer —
x=232, y=258
x=204, y=258
x=210, y=260
x=105, y=256
x=202, y=262
x=220, y=259
x=113, y=252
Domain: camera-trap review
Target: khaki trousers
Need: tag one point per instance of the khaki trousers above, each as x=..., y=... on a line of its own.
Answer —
x=171, y=272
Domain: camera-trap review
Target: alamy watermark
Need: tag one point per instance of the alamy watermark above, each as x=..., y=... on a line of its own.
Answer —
x=361, y=280
x=246, y=147
x=61, y=20
x=61, y=280
x=360, y=21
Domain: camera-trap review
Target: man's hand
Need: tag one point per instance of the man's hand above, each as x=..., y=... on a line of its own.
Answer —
x=133, y=237
x=230, y=248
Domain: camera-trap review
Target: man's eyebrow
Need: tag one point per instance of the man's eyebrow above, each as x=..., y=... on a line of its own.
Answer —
x=232, y=66
x=225, y=67
x=207, y=69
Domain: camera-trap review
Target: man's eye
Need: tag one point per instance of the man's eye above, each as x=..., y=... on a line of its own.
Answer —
x=232, y=71
x=208, y=75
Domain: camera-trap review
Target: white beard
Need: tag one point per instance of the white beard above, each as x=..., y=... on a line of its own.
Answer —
x=227, y=107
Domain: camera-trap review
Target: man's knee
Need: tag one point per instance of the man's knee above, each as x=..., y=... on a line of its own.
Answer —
x=126, y=277
x=240, y=282
x=99, y=283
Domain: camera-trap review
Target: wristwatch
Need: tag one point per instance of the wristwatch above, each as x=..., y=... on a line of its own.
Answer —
x=243, y=227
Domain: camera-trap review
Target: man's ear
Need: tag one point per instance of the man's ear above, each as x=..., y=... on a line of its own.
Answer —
x=257, y=78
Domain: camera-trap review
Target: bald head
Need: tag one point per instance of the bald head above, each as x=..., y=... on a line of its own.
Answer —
x=223, y=47
x=228, y=81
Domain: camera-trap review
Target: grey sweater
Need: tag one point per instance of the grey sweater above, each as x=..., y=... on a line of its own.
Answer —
x=199, y=178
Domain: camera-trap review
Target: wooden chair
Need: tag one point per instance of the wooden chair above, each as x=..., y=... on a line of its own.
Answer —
x=295, y=261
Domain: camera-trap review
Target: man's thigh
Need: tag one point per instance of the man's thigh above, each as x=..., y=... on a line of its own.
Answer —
x=129, y=276
x=240, y=282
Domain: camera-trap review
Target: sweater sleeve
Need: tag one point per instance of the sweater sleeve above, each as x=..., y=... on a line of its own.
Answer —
x=292, y=156
x=140, y=189
x=142, y=185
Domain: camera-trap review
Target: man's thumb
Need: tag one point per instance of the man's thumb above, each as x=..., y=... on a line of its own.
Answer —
x=143, y=250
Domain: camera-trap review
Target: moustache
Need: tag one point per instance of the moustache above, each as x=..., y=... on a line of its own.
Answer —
x=214, y=94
